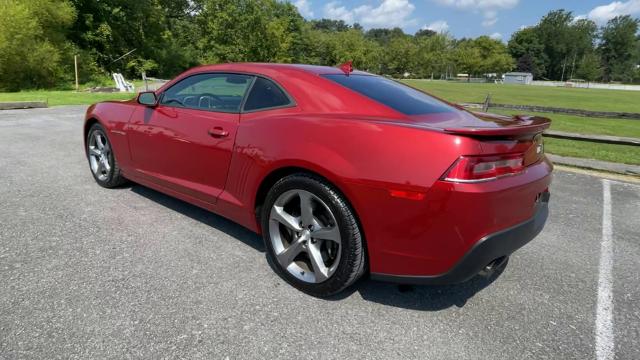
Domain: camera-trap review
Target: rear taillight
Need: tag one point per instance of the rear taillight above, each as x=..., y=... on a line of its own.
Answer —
x=471, y=169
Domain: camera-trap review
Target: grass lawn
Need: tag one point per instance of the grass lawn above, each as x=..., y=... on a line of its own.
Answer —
x=585, y=125
x=607, y=152
x=63, y=97
x=587, y=99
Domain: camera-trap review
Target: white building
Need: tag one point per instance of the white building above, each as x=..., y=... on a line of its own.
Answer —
x=518, y=78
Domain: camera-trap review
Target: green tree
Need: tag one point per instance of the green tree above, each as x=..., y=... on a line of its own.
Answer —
x=399, y=56
x=383, y=36
x=619, y=49
x=160, y=31
x=34, y=52
x=433, y=55
x=525, y=64
x=335, y=48
x=466, y=57
x=589, y=67
x=525, y=46
x=425, y=33
x=249, y=30
x=564, y=40
x=329, y=25
x=481, y=56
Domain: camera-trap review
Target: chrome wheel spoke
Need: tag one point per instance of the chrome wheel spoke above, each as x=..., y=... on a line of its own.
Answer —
x=99, y=142
x=94, y=163
x=105, y=164
x=95, y=152
x=320, y=270
x=306, y=208
x=100, y=167
x=278, y=214
x=327, y=233
x=287, y=256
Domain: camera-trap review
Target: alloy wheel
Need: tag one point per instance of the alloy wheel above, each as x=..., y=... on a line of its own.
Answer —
x=305, y=236
x=100, y=155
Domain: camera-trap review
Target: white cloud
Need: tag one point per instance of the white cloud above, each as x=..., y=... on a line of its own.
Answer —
x=389, y=13
x=488, y=22
x=602, y=14
x=304, y=7
x=480, y=4
x=488, y=8
x=333, y=10
x=439, y=26
x=579, y=17
x=496, y=36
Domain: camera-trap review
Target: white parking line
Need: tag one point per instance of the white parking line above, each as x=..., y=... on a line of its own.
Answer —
x=604, y=312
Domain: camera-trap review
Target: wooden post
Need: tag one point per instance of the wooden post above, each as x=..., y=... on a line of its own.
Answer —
x=487, y=103
x=75, y=61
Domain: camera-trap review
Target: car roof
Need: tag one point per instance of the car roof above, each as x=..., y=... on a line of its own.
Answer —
x=260, y=67
x=301, y=82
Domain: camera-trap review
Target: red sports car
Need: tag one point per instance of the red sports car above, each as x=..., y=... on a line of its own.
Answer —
x=341, y=171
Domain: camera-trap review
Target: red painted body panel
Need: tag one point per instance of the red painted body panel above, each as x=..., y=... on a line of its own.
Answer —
x=181, y=154
x=362, y=147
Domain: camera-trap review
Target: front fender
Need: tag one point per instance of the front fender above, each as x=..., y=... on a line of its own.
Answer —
x=114, y=117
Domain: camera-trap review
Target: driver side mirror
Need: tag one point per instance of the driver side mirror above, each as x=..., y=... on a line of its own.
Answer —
x=148, y=98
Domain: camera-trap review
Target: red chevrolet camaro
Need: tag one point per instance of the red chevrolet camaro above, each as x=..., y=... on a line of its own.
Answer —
x=342, y=172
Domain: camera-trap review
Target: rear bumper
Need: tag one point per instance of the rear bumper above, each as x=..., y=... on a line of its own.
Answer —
x=487, y=249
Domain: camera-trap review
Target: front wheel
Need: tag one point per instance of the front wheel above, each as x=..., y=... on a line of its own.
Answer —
x=102, y=161
x=312, y=236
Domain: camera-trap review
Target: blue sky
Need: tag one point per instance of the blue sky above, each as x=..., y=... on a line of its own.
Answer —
x=462, y=18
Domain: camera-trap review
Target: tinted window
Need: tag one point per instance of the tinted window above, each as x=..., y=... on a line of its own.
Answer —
x=265, y=94
x=214, y=92
x=393, y=94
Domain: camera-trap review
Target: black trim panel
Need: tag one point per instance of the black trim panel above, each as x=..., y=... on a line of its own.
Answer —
x=487, y=249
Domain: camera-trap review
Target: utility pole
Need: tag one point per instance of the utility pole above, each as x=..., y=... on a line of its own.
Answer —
x=75, y=62
x=564, y=65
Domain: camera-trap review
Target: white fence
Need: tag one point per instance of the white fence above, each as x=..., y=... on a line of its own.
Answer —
x=587, y=85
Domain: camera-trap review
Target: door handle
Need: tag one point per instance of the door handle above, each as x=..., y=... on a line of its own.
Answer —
x=218, y=132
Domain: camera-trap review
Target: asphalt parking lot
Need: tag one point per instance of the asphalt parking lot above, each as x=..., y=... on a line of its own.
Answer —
x=87, y=272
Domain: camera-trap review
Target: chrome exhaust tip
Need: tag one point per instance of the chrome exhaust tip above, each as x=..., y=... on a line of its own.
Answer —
x=493, y=266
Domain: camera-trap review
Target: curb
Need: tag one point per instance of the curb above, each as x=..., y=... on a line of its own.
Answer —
x=22, y=105
x=604, y=139
x=618, y=168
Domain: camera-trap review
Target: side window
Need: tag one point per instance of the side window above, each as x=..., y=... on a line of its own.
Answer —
x=213, y=92
x=265, y=94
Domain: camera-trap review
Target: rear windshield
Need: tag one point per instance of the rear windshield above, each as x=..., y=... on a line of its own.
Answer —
x=392, y=94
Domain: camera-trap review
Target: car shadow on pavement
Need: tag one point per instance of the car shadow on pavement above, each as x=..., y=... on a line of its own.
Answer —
x=424, y=298
x=206, y=217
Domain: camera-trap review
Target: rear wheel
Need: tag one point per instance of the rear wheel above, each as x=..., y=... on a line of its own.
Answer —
x=312, y=236
x=102, y=161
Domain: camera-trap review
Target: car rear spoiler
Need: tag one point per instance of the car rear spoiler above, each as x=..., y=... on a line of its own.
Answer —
x=520, y=125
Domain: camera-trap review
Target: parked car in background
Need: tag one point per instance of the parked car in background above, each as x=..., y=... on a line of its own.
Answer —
x=342, y=172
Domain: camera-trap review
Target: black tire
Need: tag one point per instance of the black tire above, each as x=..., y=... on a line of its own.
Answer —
x=113, y=177
x=352, y=261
